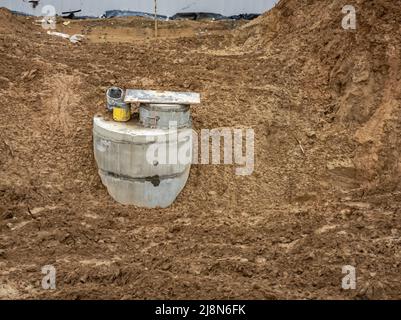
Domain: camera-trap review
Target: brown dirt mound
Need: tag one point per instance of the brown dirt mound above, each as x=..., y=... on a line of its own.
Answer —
x=10, y=22
x=359, y=68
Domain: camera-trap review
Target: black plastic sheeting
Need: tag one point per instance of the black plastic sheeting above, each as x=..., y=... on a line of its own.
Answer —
x=70, y=14
x=127, y=13
x=245, y=16
x=179, y=16
x=66, y=15
x=197, y=16
x=211, y=16
x=19, y=13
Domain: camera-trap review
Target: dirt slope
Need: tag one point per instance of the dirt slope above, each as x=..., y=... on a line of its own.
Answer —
x=358, y=68
x=324, y=104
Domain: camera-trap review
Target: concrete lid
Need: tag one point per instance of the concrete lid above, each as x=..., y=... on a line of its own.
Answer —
x=161, y=97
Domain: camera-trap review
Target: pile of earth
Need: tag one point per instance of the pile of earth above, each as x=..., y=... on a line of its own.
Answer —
x=358, y=71
x=12, y=23
x=322, y=194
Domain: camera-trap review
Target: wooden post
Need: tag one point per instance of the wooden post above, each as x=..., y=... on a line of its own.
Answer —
x=156, y=26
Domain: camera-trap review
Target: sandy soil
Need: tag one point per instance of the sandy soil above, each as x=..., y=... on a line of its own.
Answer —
x=325, y=107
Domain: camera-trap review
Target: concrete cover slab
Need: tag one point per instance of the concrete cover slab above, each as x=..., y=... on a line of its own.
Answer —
x=162, y=97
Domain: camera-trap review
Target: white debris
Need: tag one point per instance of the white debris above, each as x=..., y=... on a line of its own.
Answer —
x=74, y=38
x=58, y=34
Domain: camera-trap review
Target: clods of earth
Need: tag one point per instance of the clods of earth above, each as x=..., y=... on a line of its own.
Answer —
x=324, y=104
